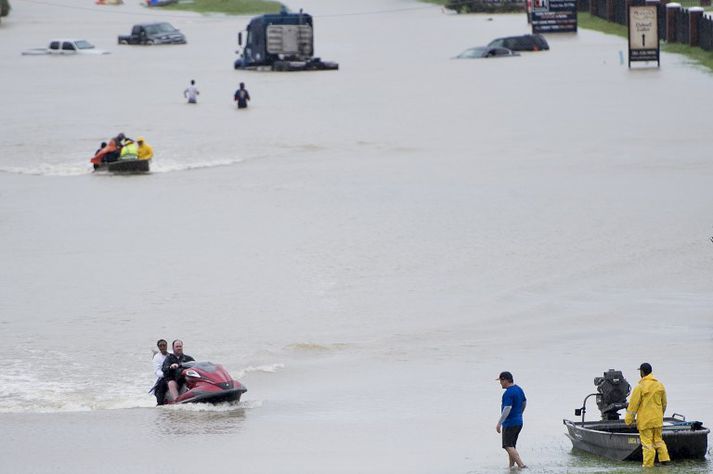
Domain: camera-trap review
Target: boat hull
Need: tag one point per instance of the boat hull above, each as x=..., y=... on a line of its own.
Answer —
x=615, y=440
x=125, y=166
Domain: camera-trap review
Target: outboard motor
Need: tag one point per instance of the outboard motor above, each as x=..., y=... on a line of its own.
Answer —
x=612, y=391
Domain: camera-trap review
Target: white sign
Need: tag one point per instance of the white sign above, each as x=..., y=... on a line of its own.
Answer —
x=643, y=28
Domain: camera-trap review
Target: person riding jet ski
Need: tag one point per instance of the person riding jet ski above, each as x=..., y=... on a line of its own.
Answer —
x=172, y=368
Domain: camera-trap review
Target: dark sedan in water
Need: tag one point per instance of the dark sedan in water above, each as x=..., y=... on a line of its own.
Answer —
x=485, y=52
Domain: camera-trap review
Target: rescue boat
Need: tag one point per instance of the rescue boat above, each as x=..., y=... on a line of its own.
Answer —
x=616, y=440
x=612, y=438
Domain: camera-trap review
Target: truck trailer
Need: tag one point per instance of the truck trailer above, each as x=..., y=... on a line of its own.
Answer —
x=280, y=42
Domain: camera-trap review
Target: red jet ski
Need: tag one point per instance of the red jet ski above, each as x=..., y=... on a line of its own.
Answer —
x=206, y=382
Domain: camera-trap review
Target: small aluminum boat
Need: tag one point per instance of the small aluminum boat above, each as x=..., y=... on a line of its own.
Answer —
x=614, y=439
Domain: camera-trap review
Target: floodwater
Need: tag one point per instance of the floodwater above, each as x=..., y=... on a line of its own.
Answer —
x=364, y=249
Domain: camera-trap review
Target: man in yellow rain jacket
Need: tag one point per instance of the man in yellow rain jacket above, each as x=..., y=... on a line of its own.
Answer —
x=145, y=150
x=648, y=404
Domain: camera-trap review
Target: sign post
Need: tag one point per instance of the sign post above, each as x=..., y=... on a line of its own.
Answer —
x=553, y=16
x=644, y=34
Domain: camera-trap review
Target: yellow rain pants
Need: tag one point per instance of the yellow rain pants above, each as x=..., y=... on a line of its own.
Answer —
x=652, y=443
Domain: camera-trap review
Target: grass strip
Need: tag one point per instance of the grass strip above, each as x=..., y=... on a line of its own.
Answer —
x=230, y=7
x=591, y=22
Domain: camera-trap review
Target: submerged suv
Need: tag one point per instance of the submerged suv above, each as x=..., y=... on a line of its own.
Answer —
x=521, y=43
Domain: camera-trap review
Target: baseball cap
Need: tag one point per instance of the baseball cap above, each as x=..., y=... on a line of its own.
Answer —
x=646, y=367
x=505, y=376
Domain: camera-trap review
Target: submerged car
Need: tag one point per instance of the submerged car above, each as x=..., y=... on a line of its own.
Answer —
x=521, y=43
x=485, y=52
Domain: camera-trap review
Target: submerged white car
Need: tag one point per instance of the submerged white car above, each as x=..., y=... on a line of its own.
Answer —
x=65, y=47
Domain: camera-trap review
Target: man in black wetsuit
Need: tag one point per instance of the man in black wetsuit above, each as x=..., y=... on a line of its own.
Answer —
x=172, y=368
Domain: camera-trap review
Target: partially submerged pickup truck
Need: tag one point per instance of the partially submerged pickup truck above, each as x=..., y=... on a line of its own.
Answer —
x=153, y=33
x=65, y=47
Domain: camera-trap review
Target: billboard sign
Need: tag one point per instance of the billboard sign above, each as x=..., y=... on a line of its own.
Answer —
x=554, y=16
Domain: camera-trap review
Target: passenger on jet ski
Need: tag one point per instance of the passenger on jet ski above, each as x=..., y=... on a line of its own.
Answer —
x=172, y=368
x=160, y=386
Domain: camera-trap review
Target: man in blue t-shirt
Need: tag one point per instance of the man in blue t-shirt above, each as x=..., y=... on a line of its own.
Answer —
x=510, y=422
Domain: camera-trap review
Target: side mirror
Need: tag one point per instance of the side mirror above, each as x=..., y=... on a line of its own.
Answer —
x=240, y=38
x=577, y=412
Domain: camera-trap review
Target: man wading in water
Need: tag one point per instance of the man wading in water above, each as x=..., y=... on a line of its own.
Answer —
x=510, y=421
x=242, y=96
x=191, y=93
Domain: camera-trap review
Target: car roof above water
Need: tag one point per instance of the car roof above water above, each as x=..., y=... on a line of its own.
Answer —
x=522, y=42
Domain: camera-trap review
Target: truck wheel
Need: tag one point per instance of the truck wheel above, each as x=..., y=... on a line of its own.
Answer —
x=123, y=42
x=150, y=42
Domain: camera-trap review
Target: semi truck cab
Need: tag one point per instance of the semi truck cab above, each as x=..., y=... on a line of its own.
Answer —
x=280, y=42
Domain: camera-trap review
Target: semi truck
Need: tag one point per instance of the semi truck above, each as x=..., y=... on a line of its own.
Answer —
x=280, y=42
x=4, y=8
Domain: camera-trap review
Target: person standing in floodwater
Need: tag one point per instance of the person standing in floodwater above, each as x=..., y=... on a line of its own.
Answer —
x=191, y=93
x=647, y=405
x=242, y=96
x=510, y=422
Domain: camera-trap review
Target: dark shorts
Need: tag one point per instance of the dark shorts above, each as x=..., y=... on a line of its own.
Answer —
x=510, y=434
x=160, y=390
